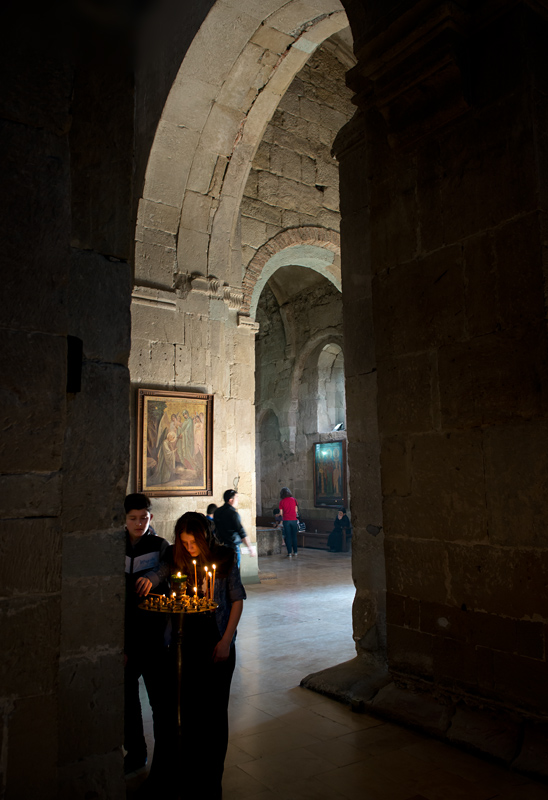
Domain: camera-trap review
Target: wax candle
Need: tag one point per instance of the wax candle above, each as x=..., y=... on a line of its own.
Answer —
x=213, y=586
x=210, y=593
x=195, y=576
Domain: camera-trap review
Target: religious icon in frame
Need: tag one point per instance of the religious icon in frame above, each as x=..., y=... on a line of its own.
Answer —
x=174, y=443
x=330, y=474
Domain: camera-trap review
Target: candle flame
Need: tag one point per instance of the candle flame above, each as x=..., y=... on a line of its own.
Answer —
x=194, y=562
x=179, y=575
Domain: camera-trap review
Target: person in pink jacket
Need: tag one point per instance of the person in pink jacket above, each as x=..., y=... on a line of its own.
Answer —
x=289, y=511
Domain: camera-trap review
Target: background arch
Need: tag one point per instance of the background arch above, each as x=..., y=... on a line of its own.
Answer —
x=313, y=247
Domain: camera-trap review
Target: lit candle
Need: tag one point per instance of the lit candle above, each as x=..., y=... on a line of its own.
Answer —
x=210, y=593
x=195, y=577
x=213, y=586
x=179, y=575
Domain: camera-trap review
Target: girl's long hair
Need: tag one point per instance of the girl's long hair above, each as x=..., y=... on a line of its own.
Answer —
x=196, y=525
x=285, y=493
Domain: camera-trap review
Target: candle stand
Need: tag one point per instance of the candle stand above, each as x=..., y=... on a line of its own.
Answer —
x=178, y=604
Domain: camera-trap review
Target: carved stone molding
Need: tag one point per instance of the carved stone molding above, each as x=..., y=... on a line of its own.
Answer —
x=145, y=296
x=182, y=284
x=185, y=283
x=234, y=298
x=208, y=285
x=204, y=285
x=248, y=324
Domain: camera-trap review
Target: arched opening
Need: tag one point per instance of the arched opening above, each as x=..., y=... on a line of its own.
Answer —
x=331, y=396
x=269, y=454
x=299, y=372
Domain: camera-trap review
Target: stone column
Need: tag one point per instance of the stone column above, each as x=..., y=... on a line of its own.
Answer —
x=444, y=231
x=369, y=609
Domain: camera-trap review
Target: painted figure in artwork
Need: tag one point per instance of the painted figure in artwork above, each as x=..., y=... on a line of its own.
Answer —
x=167, y=455
x=198, y=436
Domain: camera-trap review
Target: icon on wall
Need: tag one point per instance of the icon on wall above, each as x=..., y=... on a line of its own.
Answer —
x=174, y=443
x=330, y=474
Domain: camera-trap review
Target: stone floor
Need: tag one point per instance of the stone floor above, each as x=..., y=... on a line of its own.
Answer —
x=289, y=743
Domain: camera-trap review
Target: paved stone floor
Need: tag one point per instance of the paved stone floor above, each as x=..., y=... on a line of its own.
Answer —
x=290, y=743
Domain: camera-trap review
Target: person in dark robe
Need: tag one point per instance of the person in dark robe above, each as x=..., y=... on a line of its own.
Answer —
x=341, y=524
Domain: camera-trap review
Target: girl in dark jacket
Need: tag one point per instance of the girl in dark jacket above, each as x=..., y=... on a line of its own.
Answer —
x=208, y=656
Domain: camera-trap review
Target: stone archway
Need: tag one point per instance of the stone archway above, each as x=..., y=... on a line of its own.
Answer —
x=221, y=101
x=315, y=248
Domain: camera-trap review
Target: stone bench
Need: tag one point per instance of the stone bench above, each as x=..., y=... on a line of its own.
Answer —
x=316, y=535
x=270, y=541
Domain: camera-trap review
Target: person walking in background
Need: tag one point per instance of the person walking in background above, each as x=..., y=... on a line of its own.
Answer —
x=289, y=511
x=228, y=525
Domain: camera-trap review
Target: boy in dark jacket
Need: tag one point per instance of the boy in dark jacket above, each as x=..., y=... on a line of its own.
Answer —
x=145, y=652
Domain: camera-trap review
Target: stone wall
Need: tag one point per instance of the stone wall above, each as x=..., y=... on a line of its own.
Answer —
x=294, y=180
x=455, y=297
x=65, y=440
x=195, y=344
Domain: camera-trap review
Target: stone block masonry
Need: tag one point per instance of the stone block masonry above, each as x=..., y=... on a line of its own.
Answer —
x=294, y=169
x=454, y=271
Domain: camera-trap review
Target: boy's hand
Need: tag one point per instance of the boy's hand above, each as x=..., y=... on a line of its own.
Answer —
x=143, y=586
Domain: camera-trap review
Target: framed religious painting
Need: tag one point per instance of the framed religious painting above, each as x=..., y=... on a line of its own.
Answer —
x=174, y=443
x=330, y=475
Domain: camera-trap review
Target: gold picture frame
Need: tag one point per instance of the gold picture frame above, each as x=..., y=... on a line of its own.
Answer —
x=174, y=443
